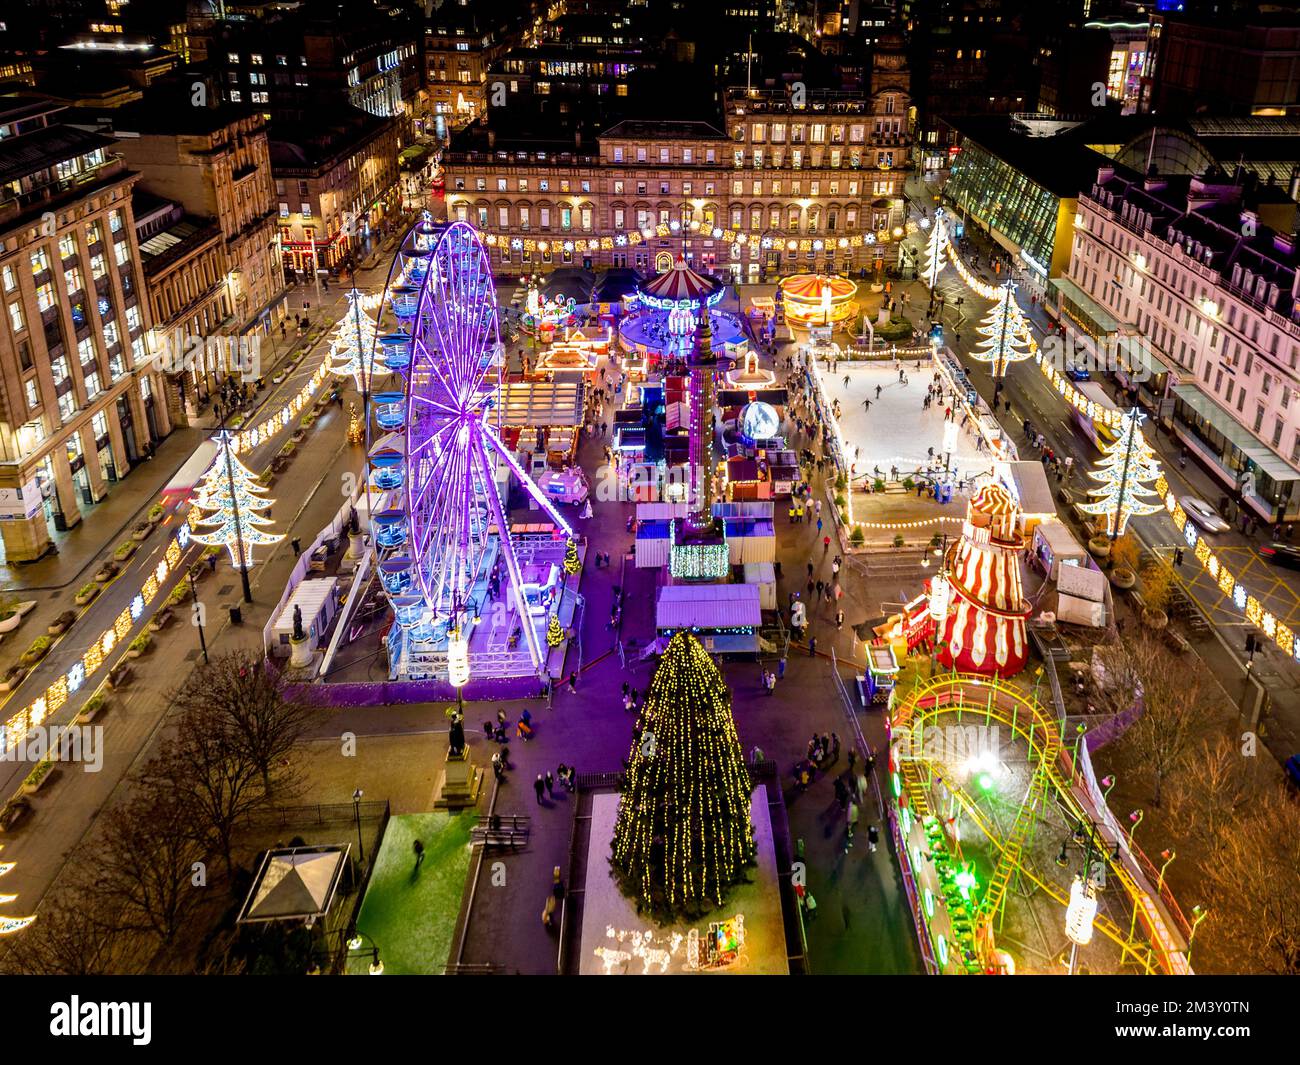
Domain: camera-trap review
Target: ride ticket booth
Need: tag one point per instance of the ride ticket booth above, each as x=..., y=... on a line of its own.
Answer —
x=877, y=683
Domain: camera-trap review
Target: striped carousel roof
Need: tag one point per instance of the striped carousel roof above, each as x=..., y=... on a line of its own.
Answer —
x=680, y=283
x=809, y=286
x=993, y=499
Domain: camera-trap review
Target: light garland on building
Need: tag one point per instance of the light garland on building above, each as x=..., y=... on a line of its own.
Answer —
x=693, y=562
x=1280, y=633
x=684, y=834
x=757, y=239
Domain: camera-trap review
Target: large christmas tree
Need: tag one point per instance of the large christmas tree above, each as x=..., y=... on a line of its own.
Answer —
x=1005, y=332
x=684, y=835
x=1128, y=462
x=233, y=502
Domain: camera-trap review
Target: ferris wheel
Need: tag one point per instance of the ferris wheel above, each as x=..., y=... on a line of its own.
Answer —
x=443, y=527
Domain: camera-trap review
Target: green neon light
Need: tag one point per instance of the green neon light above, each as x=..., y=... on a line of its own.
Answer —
x=966, y=883
x=985, y=782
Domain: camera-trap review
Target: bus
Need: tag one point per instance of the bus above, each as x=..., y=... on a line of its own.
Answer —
x=1100, y=435
x=184, y=480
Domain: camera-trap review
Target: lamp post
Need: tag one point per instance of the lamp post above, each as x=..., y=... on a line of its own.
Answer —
x=1134, y=819
x=1107, y=783
x=198, y=616
x=356, y=942
x=1199, y=914
x=1168, y=857
x=356, y=809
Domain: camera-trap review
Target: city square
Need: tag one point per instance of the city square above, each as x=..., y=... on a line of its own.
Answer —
x=561, y=493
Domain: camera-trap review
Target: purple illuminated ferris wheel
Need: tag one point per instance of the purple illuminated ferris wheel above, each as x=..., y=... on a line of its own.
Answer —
x=441, y=530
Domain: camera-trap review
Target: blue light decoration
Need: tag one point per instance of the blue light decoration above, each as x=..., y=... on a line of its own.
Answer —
x=692, y=303
x=183, y=535
x=76, y=676
x=1239, y=595
x=137, y=607
x=1189, y=534
x=104, y=306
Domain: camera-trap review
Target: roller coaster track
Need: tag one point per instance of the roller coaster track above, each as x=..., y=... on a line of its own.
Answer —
x=996, y=701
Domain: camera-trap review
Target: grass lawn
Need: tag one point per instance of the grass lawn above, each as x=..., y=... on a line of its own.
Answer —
x=410, y=916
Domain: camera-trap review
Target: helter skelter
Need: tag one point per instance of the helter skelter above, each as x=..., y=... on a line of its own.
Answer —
x=441, y=526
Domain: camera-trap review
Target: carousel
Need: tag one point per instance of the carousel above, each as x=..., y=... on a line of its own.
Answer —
x=667, y=310
x=818, y=300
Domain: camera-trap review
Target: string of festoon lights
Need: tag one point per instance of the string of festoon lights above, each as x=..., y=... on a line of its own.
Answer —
x=17, y=725
x=674, y=228
x=1239, y=593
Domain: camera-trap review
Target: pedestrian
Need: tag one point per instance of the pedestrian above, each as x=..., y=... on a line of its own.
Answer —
x=873, y=838
x=841, y=793
x=573, y=681
x=839, y=619
x=498, y=770
x=826, y=541
x=539, y=786
x=835, y=747
x=853, y=759
x=550, y=785
x=820, y=586
x=812, y=646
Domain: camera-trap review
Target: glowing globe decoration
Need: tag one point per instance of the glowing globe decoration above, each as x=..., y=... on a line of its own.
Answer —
x=759, y=421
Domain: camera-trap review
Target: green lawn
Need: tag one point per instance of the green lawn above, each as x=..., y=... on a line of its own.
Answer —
x=411, y=916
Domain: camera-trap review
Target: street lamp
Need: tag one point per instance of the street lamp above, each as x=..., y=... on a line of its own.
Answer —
x=356, y=809
x=356, y=942
x=1199, y=914
x=198, y=617
x=1168, y=857
x=1134, y=819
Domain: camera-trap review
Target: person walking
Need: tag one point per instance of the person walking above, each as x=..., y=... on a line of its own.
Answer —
x=573, y=681
x=550, y=785
x=835, y=747
x=418, y=848
x=539, y=786
x=851, y=826
x=873, y=838
x=498, y=770
x=812, y=646
x=839, y=619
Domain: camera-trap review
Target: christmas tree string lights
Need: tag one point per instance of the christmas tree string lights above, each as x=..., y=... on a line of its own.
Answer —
x=1005, y=332
x=230, y=501
x=353, y=342
x=683, y=834
x=1127, y=463
x=935, y=250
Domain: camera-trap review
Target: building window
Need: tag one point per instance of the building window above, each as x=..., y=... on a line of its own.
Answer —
x=40, y=261
x=45, y=297
x=33, y=396
x=10, y=279
x=16, y=317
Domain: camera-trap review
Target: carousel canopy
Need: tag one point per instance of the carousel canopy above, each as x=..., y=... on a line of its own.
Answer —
x=809, y=287
x=681, y=285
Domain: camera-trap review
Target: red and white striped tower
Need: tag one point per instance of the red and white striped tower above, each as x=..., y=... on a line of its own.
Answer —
x=984, y=631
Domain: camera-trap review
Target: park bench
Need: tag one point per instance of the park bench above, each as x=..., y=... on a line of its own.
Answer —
x=502, y=831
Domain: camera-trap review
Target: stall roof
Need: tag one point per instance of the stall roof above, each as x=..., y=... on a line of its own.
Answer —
x=294, y=884
x=309, y=595
x=1028, y=480
x=1082, y=582
x=1060, y=539
x=708, y=606
x=542, y=403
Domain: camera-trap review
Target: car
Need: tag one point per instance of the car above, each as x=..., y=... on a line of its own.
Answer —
x=1078, y=373
x=1281, y=554
x=1203, y=514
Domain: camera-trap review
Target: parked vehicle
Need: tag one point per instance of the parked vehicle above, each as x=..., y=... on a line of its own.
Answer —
x=1203, y=514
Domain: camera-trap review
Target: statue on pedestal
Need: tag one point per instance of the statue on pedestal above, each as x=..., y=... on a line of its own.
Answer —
x=299, y=633
x=456, y=739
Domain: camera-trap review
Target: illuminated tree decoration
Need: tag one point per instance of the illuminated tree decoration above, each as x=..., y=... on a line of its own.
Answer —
x=1127, y=463
x=353, y=342
x=10, y=925
x=683, y=834
x=935, y=250
x=218, y=506
x=571, y=561
x=356, y=431
x=1005, y=332
x=554, y=632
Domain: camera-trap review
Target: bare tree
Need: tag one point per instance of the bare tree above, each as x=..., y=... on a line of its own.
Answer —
x=266, y=717
x=147, y=857
x=1207, y=805
x=75, y=934
x=1179, y=701
x=1255, y=911
x=208, y=760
